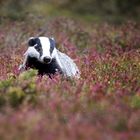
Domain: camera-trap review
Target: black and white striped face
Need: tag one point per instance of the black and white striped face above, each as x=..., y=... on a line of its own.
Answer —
x=43, y=47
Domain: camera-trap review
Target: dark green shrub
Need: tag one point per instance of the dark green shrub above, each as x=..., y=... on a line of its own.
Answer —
x=15, y=96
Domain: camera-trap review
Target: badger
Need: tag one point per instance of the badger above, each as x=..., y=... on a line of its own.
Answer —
x=43, y=55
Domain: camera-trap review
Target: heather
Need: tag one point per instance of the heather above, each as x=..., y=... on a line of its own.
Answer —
x=103, y=38
x=103, y=104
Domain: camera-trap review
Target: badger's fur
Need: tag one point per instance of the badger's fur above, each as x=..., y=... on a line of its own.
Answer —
x=43, y=56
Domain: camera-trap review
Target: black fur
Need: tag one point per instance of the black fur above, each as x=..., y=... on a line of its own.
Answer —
x=32, y=42
x=38, y=46
x=49, y=69
x=35, y=42
x=52, y=45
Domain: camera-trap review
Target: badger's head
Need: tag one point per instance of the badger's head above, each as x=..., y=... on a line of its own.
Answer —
x=43, y=48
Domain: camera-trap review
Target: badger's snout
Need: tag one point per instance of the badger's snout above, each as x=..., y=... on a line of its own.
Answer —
x=47, y=59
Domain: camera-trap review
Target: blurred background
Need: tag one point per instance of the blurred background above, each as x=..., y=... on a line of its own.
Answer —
x=114, y=11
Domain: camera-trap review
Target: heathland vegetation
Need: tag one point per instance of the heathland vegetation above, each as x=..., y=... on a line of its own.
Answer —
x=103, y=38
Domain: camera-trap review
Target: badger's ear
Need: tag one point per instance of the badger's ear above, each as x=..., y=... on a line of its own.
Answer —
x=31, y=41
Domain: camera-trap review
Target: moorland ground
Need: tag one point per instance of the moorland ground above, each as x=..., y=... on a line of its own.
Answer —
x=103, y=104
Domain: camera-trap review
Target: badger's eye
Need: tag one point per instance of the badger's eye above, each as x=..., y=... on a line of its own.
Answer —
x=37, y=47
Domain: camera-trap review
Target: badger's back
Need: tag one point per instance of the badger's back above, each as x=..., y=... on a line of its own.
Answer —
x=69, y=67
